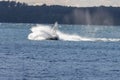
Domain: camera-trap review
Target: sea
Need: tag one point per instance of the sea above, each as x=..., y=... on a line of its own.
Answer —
x=83, y=52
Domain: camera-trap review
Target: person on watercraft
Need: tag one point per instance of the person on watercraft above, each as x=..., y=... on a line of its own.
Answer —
x=54, y=32
x=55, y=27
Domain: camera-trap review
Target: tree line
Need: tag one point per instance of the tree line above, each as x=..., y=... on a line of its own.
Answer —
x=16, y=12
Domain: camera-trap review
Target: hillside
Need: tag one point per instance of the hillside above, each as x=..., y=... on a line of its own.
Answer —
x=16, y=12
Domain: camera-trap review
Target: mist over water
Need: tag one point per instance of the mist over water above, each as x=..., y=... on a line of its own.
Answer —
x=42, y=32
x=100, y=16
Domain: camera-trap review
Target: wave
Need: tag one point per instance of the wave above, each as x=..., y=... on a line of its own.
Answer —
x=42, y=32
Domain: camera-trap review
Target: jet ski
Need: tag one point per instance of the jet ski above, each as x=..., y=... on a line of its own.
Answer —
x=52, y=38
x=54, y=35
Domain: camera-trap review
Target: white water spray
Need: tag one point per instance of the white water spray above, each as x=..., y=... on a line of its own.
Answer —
x=42, y=32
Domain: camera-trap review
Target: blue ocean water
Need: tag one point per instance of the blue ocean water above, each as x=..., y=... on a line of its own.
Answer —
x=25, y=59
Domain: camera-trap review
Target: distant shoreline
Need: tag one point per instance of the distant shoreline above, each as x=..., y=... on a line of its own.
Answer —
x=16, y=12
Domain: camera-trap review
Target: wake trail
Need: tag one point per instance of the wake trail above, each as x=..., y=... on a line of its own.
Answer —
x=42, y=32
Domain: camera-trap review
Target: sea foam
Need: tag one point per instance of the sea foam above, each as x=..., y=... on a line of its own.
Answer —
x=41, y=32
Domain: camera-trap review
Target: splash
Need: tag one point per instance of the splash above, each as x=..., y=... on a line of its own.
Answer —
x=42, y=32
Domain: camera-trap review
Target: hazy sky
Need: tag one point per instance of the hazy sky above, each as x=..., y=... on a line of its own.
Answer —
x=75, y=2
